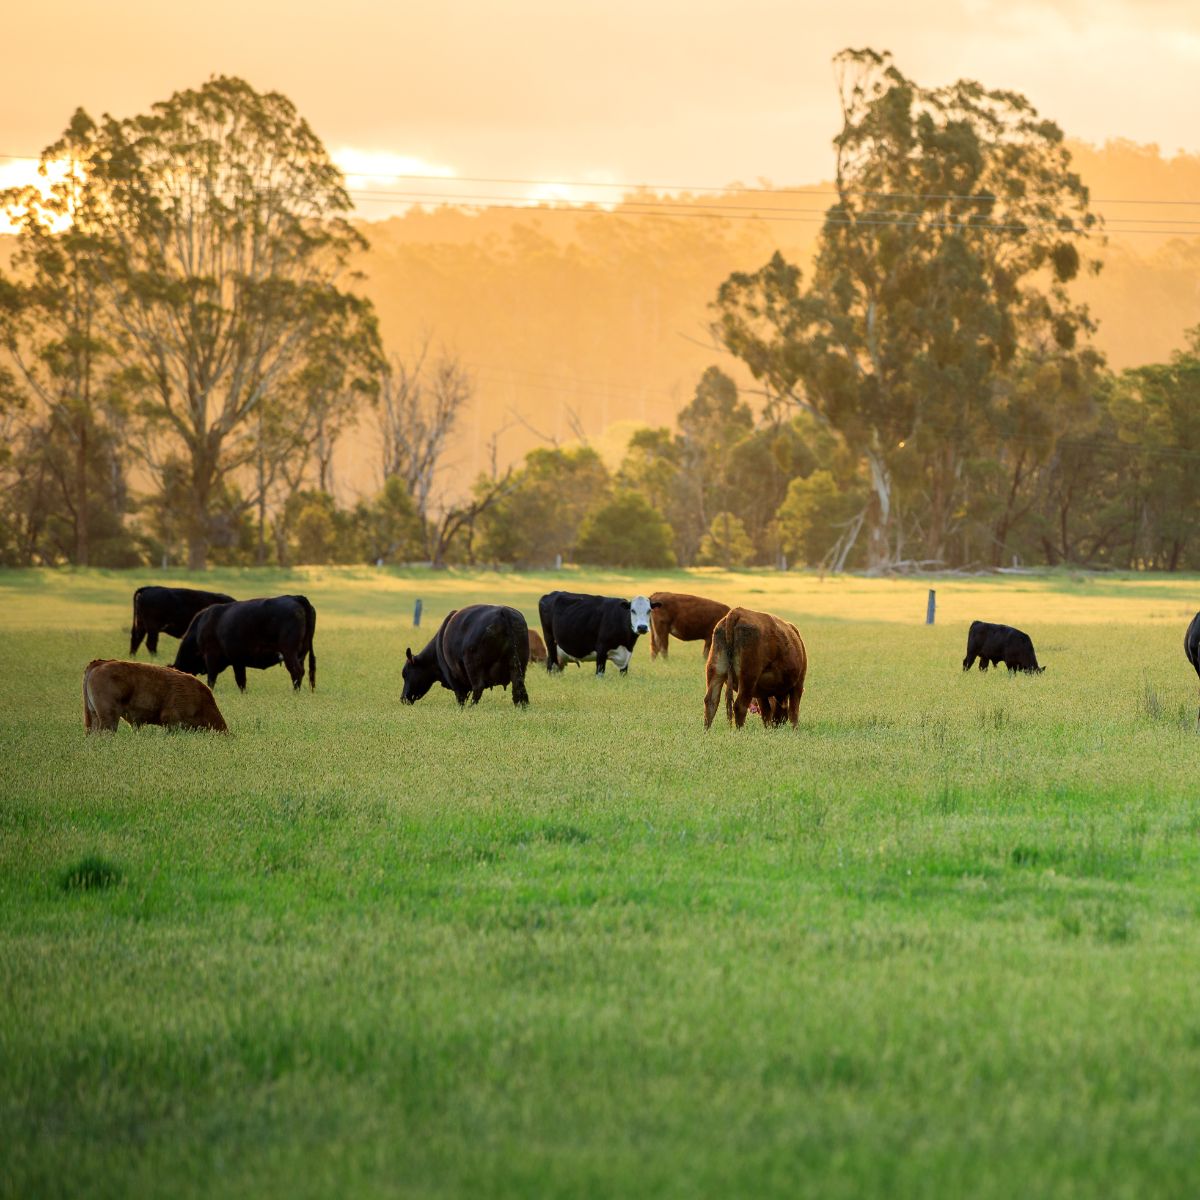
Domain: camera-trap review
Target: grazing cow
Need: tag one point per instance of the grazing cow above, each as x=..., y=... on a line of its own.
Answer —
x=1191, y=647
x=167, y=610
x=756, y=657
x=477, y=647
x=689, y=618
x=998, y=644
x=537, y=648
x=580, y=628
x=144, y=694
x=251, y=633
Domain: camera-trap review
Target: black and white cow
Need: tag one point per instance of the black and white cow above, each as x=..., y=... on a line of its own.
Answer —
x=581, y=628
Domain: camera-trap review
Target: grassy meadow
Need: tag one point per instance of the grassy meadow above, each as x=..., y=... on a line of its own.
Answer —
x=942, y=939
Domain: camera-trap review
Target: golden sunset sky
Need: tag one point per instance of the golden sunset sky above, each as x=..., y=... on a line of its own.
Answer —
x=695, y=93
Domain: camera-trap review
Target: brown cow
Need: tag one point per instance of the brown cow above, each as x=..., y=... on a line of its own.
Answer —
x=537, y=648
x=757, y=657
x=145, y=695
x=689, y=618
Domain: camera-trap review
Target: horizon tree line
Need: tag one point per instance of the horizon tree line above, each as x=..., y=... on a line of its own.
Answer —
x=182, y=346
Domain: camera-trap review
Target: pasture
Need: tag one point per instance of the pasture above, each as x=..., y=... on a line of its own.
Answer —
x=942, y=939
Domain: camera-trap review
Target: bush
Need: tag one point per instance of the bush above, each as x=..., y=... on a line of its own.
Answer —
x=726, y=544
x=625, y=532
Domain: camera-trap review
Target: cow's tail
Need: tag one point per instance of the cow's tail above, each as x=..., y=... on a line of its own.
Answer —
x=88, y=707
x=310, y=627
x=518, y=635
x=136, y=632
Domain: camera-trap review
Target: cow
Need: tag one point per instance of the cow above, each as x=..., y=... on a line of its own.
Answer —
x=167, y=610
x=251, y=633
x=144, y=694
x=537, y=648
x=1191, y=647
x=998, y=644
x=476, y=647
x=756, y=657
x=581, y=628
x=689, y=618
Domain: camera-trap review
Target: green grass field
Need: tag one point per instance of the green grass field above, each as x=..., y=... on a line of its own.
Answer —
x=942, y=939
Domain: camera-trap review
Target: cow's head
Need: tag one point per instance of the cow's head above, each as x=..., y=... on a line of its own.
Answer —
x=188, y=658
x=419, y=677
x=639, y=613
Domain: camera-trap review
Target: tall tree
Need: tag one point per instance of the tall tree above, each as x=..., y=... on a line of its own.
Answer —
x=957, y=224
x=226, y=244
x=54, y=338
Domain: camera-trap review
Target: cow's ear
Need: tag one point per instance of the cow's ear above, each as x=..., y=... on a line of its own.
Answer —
x=656, y=604
x=624, y=603
x=408, y=653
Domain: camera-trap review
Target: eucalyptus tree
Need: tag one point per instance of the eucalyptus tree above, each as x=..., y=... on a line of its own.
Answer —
x=956, y=227
x=227, y=250
x=59, y=363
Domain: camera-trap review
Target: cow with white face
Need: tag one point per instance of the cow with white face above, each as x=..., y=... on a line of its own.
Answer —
x=599, y=629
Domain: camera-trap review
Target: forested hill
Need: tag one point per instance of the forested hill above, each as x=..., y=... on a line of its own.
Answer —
x=599, y=319
x=604, y=315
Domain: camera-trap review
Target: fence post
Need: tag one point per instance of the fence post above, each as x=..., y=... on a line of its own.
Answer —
x=417, y=615
x=930, y=606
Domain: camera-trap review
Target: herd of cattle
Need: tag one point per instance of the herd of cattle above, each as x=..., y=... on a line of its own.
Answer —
x=757, y=659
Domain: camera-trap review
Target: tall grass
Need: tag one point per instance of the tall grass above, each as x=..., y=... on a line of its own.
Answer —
x=941, y=939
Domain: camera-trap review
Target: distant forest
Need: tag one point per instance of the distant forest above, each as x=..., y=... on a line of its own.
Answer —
x=204, y=360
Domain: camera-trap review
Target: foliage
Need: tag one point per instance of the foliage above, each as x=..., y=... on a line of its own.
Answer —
x=955, y=233
x=816, y=518
x=390, y=526
x=625, y=532
x=726, y=543
x=542, y=511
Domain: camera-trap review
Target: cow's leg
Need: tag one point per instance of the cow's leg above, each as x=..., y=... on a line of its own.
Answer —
x=983, y=664
x=136, y=633
x=969, y=661
x=295, y=668
x=106, y=717
x=601, y=659
x=741, y=706
x=152, y=640
x=239, y=676
x=712, y=696
x=475, y=694
x=764, y=711
x=793, y=705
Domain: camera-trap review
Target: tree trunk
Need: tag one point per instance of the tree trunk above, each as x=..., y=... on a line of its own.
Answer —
x=879, y=530
x=198, y=525
x=82, y=548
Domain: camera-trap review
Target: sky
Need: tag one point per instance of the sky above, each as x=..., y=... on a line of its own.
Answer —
x=663, y=92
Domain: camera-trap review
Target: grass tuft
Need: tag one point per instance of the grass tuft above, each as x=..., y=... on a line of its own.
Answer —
x=91, y=874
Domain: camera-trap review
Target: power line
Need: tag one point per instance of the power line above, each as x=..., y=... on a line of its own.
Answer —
x=539, y=208
x=665, y=188
x=634, y=207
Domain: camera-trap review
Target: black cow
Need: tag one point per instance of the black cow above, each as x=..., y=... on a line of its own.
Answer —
x=591, y=628
x=251, y=633
x=477, y=647
x=1191, y=646
x=998, y=644
x=167, y=610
